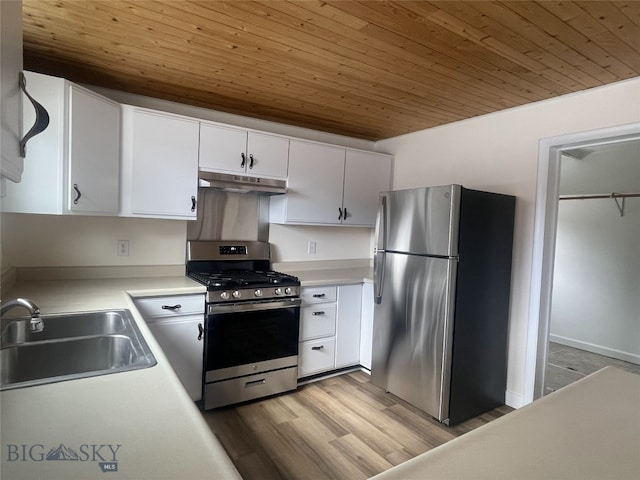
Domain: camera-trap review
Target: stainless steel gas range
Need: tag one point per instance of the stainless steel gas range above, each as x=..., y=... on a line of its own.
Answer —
x=251, y=321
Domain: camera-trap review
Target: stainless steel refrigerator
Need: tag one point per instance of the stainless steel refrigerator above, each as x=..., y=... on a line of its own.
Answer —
x=442, y=275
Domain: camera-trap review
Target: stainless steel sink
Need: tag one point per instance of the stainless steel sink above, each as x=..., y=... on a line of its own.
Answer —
x=70, y=347
x=65, y=326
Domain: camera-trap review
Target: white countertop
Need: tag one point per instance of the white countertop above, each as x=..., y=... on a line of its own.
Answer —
x=587, y=430
x=147, y=412
x=144, y=416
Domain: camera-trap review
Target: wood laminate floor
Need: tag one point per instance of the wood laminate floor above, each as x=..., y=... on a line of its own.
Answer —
x=337, y=428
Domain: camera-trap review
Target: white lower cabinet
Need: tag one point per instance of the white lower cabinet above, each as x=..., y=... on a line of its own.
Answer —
x=177, y=324
x=329, y=328
x=316, y=356
x=348, y=325
x=366, y=325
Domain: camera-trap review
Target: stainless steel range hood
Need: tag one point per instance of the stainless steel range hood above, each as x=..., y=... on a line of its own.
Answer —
x=241, y=183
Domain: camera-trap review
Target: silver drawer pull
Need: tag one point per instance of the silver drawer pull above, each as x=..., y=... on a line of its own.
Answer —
x=177, y=306
x=255, y=383
x=318, y=295
x=318, y=313
x=319, y=347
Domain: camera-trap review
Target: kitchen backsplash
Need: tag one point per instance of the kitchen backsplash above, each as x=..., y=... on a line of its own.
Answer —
x=52, y=241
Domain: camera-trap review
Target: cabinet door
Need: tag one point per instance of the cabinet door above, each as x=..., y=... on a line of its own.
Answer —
x=268, y=155
x=222, y=148
x=315, y=183
x=94, y=153
x=41, y=188
x=179, y=341
x=164, y=170
x=11, y=163
x=348, y=325
x=366, y=325
x=366, y=175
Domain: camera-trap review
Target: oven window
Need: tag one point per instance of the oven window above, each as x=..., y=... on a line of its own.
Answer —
x=238, y=338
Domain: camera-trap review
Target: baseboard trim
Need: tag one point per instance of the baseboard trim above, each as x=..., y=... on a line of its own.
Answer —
x=593, y=348
x=513, y=399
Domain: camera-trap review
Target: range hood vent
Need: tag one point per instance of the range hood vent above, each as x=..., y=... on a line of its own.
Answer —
x=241, y=183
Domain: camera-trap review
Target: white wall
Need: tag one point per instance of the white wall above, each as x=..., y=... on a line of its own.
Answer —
x=596, y=282
x=72, y=241
x=499, y=152
x=332, y=243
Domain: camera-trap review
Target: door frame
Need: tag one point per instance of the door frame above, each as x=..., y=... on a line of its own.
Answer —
x=544, y=242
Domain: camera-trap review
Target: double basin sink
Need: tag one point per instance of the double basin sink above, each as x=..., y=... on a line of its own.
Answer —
x=71, y=346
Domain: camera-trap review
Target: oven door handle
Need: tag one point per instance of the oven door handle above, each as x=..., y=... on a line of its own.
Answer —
x=253, y=306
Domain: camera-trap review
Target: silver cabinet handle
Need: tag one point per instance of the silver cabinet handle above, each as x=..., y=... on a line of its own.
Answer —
x=255, y=383
x=319, y=347
x=318, y=313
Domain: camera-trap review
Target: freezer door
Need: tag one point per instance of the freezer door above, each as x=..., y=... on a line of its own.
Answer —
x=412, y=331
x=422, y=221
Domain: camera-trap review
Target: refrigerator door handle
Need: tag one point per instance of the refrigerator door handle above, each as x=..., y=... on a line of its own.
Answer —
x=379, y=252
x=381, y=225
x=378, y=276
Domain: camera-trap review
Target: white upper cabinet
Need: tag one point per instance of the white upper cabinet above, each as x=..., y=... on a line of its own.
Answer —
x=331, y=185
x=235, y=150
x=366, y=174
x=11, y=163
x=94, y=153
x=314, y=188
x=160, y=164
x=73, y=166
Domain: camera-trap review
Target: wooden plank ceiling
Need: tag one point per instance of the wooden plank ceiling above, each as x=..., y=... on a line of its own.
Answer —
x=367, y=69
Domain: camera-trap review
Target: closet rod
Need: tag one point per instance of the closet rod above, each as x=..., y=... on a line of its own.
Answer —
x=589, y=197
x=614, y=196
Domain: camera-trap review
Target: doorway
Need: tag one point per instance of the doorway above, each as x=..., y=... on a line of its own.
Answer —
x=545, y=228
x=596, y=281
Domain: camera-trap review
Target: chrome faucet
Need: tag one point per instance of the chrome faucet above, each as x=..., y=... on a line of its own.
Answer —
x=36, y=324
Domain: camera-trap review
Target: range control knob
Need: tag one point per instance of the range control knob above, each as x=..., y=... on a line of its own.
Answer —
x=278, y=291
x=258, y=293
x=236, y=294
x=224, y=295
x=287, y=291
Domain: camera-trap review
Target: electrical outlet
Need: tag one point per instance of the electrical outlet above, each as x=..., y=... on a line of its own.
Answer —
x=311, y=247
x=123, y=248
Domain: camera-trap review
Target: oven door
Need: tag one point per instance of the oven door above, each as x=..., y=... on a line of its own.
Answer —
x=246, y=338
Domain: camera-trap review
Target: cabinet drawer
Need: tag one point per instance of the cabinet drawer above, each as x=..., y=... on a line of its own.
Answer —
x=316, y=356
x=317, y=321
x=318, y=294
x=174, y=305
x=241, y=389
